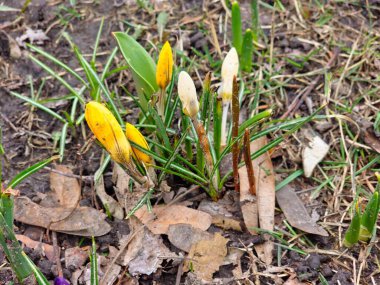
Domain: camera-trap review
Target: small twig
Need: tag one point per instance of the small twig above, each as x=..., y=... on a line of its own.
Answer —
x=57, y=253
x=235, y=133
x=248, y=163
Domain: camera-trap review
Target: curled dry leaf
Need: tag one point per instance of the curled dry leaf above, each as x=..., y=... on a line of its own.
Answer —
x=206, y=256
x=248, y=202
x=161, y=217
x=296, y=213
x=112, y=205
x=265, y=195
x=83, y=221
x=46, y=249
x=313, y=153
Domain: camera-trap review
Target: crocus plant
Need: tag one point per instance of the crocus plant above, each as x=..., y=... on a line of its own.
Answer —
x=164, y=73
x=110, y=135
x=230, y=68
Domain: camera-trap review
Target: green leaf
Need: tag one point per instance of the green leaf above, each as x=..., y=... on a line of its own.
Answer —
x=352, y=235
x=255, y=19
x=237, y=37
x=142, y=66
x=94, y=264
x=160, y=127
x=369, y=218
x=41, y=279
x=217, y=125
x=29, y=171
x=59, y=78
x=162, y=20
x=39, y=106
x=57, y=62
x=247, y=51
x=13, y=251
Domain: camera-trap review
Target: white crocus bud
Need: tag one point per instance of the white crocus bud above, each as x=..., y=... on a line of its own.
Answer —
x=188, y=94
x=230, y=68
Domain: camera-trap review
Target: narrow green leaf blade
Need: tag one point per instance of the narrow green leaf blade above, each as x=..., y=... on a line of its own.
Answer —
x=237, y=37
x=247, y=51
x=29, y=171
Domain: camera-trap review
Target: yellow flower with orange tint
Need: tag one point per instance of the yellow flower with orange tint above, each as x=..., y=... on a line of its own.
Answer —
x=134, y=135
x=108, y=132
x=164, y=69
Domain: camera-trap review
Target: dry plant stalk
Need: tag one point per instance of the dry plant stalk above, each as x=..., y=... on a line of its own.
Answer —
x=205, y=145
x=235, y=132
x=248, y=163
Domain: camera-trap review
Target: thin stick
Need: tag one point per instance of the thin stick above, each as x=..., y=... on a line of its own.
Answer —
x=248, y=163
x=235, y=133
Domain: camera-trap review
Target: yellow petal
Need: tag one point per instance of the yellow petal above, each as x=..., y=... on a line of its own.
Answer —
x=133, y=135
x=230, y=68
x=108, y=132
x=188, y=94
x=164, y=66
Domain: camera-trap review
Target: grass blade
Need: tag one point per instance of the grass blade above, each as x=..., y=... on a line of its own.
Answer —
x=41, y=279
x=29, y=171
x=57, y=62
x=59, y=78
x=39, y=106
x=13, y=251
x=94, y=264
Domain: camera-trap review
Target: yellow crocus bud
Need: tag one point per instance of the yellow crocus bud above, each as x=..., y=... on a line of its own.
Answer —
x=230, y=68
x=188, y=94
x=108, y=132
x=164, y=69
x=133, y=135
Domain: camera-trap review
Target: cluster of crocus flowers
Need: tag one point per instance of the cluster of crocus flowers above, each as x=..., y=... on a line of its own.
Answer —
x=164, y=72
x=230, y=68
x=190, y=107
x=109, y=133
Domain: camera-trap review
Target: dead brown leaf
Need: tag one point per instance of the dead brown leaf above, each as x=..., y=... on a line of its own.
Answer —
x=65, y=189
x=145, y=252
x=46, y=249
x=83, y=221
x=265, y=188
x=183, y=236
x=162, y=216
x=372, y=140
x=248, y=202
x=220, y=213
x=206, y=256
x=75, y=257
x=296, y=213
